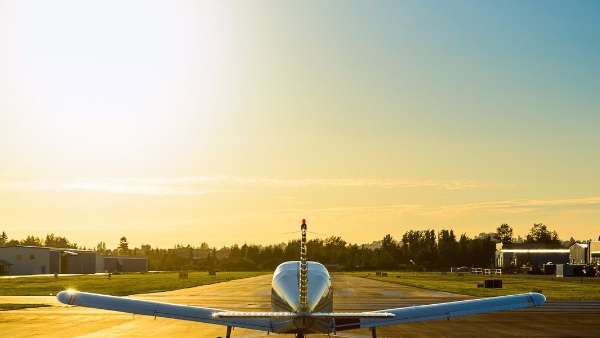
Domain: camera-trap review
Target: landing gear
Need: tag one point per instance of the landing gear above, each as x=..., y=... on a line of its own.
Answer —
x=299, y=335
x=374, y=332
x=228, y=335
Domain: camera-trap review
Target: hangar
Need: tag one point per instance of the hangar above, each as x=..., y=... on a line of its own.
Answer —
x=5, y=267
x=585, y=253
x=516, y=254
x=34, y=260
x=106, y=263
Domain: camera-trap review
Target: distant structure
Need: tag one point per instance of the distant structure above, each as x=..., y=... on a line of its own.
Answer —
x=34, y=260
x=121, y=264
x=5, y=267
x=513, y=254
x=587, y=253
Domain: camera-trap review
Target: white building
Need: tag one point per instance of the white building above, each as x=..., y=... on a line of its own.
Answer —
x=585, y=253
x=27, y=260
x=514, y=254
x=34, y=260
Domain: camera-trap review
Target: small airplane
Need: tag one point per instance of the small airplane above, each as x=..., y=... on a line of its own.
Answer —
x=301, y=304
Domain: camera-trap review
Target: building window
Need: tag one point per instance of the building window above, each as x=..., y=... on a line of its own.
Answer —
x=31, y=257
x=18, y=257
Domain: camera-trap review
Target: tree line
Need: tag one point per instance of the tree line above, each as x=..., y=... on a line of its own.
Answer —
x=416, y=250
x=50, y=240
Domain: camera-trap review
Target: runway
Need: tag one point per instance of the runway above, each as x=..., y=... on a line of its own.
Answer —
x=554, y=319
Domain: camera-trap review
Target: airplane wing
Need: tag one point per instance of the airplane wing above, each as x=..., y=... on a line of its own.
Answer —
x=443, y=310
x=262, y=320
x=160, y=309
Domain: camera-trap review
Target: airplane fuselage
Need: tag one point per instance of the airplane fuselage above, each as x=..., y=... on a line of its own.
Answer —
x=285, y=297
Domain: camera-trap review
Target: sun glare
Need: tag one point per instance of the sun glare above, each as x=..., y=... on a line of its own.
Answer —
x=101, y=91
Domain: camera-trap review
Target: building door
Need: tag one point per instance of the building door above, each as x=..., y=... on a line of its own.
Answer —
x=64, y=264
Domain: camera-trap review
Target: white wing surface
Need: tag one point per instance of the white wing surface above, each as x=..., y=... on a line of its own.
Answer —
x=341, y=320
x=160, y=309
x=443, y=310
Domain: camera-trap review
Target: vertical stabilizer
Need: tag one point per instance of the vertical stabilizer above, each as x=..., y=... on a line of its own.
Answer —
x=303, y=269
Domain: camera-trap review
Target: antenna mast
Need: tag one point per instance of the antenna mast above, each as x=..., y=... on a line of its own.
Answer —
x=303, y=269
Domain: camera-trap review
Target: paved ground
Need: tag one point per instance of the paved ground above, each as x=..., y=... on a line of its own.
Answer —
x=560, y=319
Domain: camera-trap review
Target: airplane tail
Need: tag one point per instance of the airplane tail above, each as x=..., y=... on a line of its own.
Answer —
x=303, y=269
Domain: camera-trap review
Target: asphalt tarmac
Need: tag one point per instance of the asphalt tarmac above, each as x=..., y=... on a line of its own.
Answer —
x=554, y=319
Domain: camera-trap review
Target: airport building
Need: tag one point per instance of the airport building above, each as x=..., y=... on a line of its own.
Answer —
x=517, y=254
x=585, y=253
x=121, y=264
x=33, y=260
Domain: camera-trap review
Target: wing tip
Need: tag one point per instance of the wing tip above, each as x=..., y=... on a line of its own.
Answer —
x=67, y=296
x=537, y=299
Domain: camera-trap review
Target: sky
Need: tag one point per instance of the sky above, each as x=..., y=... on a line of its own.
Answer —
x=182, y=122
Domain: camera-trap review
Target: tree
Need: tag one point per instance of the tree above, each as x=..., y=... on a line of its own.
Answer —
x=481, y=251
x=58, y=242
x=334, y=248
x=539, y=233
x=389, y=243
x=292, y=250
x=252, y=252
x=31, y=241
x=235, y=252
x=123, y=246
x=13, y=242
x=448, y=248
x=411, y=243
x=101, y=248
x=504, y=233
x=3, y=239
x=463, y=244
x=420, y=246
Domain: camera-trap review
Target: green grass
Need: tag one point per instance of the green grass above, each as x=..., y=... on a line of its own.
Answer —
x=118, y=285
x=8, y=307
x=466, y=284
x=566, y=288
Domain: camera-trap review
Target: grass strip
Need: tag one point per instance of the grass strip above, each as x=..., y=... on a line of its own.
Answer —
x=554, y=288
x=9, y=306
x=117, y=285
